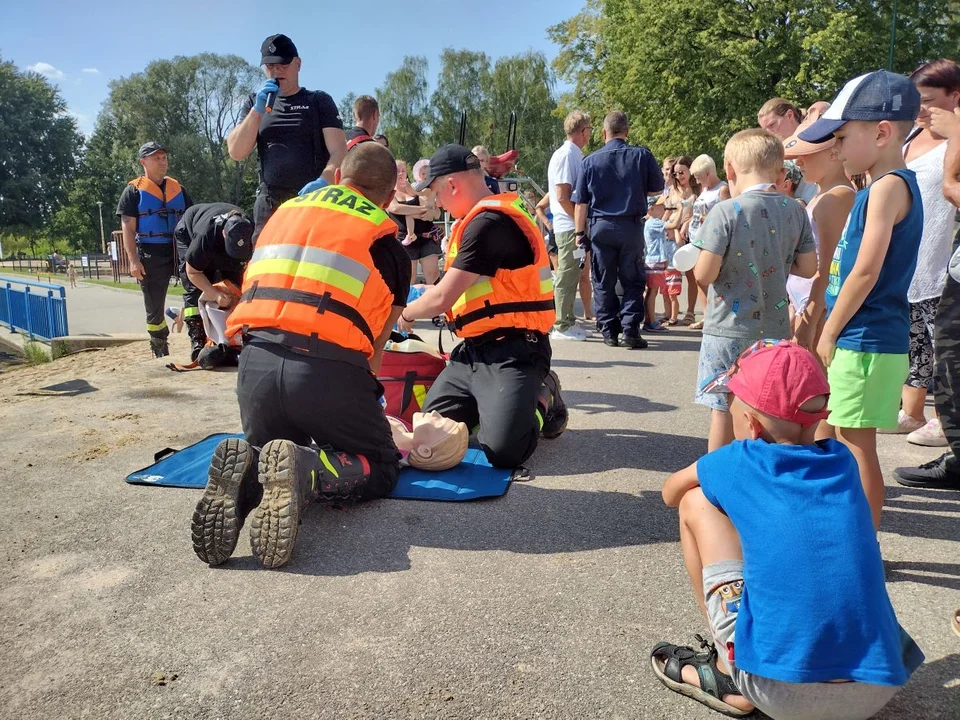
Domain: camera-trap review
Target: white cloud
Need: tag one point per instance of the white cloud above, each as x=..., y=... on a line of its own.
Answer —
x=47, y=70
x=91, y=71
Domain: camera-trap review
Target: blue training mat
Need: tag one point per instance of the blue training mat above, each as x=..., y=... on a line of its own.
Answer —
x=472, y=479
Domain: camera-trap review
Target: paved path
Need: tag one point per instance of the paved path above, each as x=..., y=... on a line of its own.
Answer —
x=541, y=604
x=98, y=310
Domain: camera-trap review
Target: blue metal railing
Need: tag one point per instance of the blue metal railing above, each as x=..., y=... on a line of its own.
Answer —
x=39, y=315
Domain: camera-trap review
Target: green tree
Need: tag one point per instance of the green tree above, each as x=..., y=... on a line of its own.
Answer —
x=345, y=108
x=524, y=84
x=403, y=108
x=689, y=74
x=463, y=85
x=39, y=145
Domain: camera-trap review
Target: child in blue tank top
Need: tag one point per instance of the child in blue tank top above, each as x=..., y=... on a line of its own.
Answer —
x=865, y=341
x=778, y=540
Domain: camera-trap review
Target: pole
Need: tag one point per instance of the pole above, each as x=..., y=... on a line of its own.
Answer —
x=893, y=36
x=103, y=242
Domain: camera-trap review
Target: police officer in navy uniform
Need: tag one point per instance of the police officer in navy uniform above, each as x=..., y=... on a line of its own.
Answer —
x=611, y=202
x=214, y=245
x=298, y=139
x=150, y=208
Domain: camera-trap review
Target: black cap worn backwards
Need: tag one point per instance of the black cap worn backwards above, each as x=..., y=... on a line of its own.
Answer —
x=278, y=50
x=449, y=159
x=149, y=149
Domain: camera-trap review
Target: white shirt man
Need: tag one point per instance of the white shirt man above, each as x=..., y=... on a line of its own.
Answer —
x=562, y=175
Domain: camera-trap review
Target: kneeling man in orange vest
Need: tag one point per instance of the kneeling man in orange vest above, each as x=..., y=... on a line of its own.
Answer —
x=326, y=283
x=497, y=294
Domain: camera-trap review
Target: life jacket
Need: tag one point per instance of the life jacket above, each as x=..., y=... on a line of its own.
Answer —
x=512, y=299
x=158, y=213
x=311, y=277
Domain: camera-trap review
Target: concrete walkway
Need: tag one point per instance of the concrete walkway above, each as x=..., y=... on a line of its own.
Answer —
x=541, y=604
x=98, y=310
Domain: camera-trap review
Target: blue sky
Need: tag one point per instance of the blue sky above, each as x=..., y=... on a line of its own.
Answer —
x=345, y=46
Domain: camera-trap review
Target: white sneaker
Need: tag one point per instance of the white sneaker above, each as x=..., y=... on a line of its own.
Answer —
x=930, y=435
x=905, y=424
x=571, y=333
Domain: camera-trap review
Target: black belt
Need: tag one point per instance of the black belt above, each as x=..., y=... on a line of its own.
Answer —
x=309, y=345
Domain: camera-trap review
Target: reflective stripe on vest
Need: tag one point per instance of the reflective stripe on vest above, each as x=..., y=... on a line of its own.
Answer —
x=158, y=210
x=311, y=278
x=311, y=262
x=520, y=298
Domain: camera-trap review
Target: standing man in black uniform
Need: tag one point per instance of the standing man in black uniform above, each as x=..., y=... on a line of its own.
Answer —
x=611, y=197
x=214, y=243
x=298, y=140
x=149, y=209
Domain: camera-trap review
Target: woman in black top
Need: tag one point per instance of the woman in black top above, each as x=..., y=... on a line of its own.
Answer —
x=421, y=238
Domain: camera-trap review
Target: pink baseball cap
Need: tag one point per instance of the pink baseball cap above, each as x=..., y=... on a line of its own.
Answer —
x=776, y=377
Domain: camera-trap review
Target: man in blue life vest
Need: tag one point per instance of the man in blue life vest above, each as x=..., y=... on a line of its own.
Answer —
x=150, y=208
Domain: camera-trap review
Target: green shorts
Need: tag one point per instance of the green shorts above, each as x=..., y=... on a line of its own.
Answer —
x=865, y=388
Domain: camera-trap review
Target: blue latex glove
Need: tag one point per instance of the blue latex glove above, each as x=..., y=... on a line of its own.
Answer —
x=313, y=186
x=269, y=86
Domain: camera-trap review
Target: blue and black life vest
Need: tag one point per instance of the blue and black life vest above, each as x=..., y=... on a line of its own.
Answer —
x=158, y=213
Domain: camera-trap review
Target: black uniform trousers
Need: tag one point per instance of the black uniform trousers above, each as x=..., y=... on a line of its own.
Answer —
x=158, y=267
x=266, y=204
x=285, y=394
x=496, y=384
x=946, y=379
x=617, y=244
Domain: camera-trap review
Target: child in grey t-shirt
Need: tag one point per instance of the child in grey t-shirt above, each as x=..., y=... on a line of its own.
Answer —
x=749, y=244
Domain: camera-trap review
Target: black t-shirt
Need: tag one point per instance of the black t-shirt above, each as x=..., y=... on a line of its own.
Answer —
x=355, y=132
x=129, y=204
x=492, y=241
x=420, y=227
x=206, y=251
x=391, y=261
x=290, y=142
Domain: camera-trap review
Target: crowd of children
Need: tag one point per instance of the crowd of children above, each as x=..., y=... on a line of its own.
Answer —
x=804, y=353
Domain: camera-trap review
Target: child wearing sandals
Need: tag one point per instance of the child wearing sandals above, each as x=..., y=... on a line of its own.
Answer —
x=778, y=540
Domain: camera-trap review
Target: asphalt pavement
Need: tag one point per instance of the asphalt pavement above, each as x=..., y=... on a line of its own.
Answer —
x=541, y=604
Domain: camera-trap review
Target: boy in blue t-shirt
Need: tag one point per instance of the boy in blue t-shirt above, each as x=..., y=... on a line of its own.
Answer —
x=778, y=541
x=865, y=342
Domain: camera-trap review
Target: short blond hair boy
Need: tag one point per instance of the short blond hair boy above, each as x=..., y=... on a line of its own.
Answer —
x=755, y=151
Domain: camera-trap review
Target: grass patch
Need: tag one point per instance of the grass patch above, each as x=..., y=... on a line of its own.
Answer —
x=58, y=349
x=36, y=353
x=172, y=290
x=46, y=277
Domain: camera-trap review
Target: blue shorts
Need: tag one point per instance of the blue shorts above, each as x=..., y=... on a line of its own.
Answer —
x=717, y=355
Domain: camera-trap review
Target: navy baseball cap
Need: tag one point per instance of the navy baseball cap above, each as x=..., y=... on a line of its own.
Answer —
x=880, y=95
x=449, y=159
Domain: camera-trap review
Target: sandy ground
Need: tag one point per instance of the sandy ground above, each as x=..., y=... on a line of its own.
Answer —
x=541, y=604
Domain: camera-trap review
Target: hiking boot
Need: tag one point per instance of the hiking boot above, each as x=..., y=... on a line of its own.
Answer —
x=232, y=492
x=941, y=473
x=292, y=477
x=159, y=347
x=555, y=418
x=634, y=343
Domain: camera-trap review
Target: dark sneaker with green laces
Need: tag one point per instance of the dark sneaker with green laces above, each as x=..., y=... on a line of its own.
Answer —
x=555, y=419
x=942, y=474
x=232, y=492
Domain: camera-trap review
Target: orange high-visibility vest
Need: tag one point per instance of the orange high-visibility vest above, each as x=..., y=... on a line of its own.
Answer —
x=311, y=276
x=519, y=299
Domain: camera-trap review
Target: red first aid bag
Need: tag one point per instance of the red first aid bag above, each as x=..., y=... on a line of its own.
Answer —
x=408, y=370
